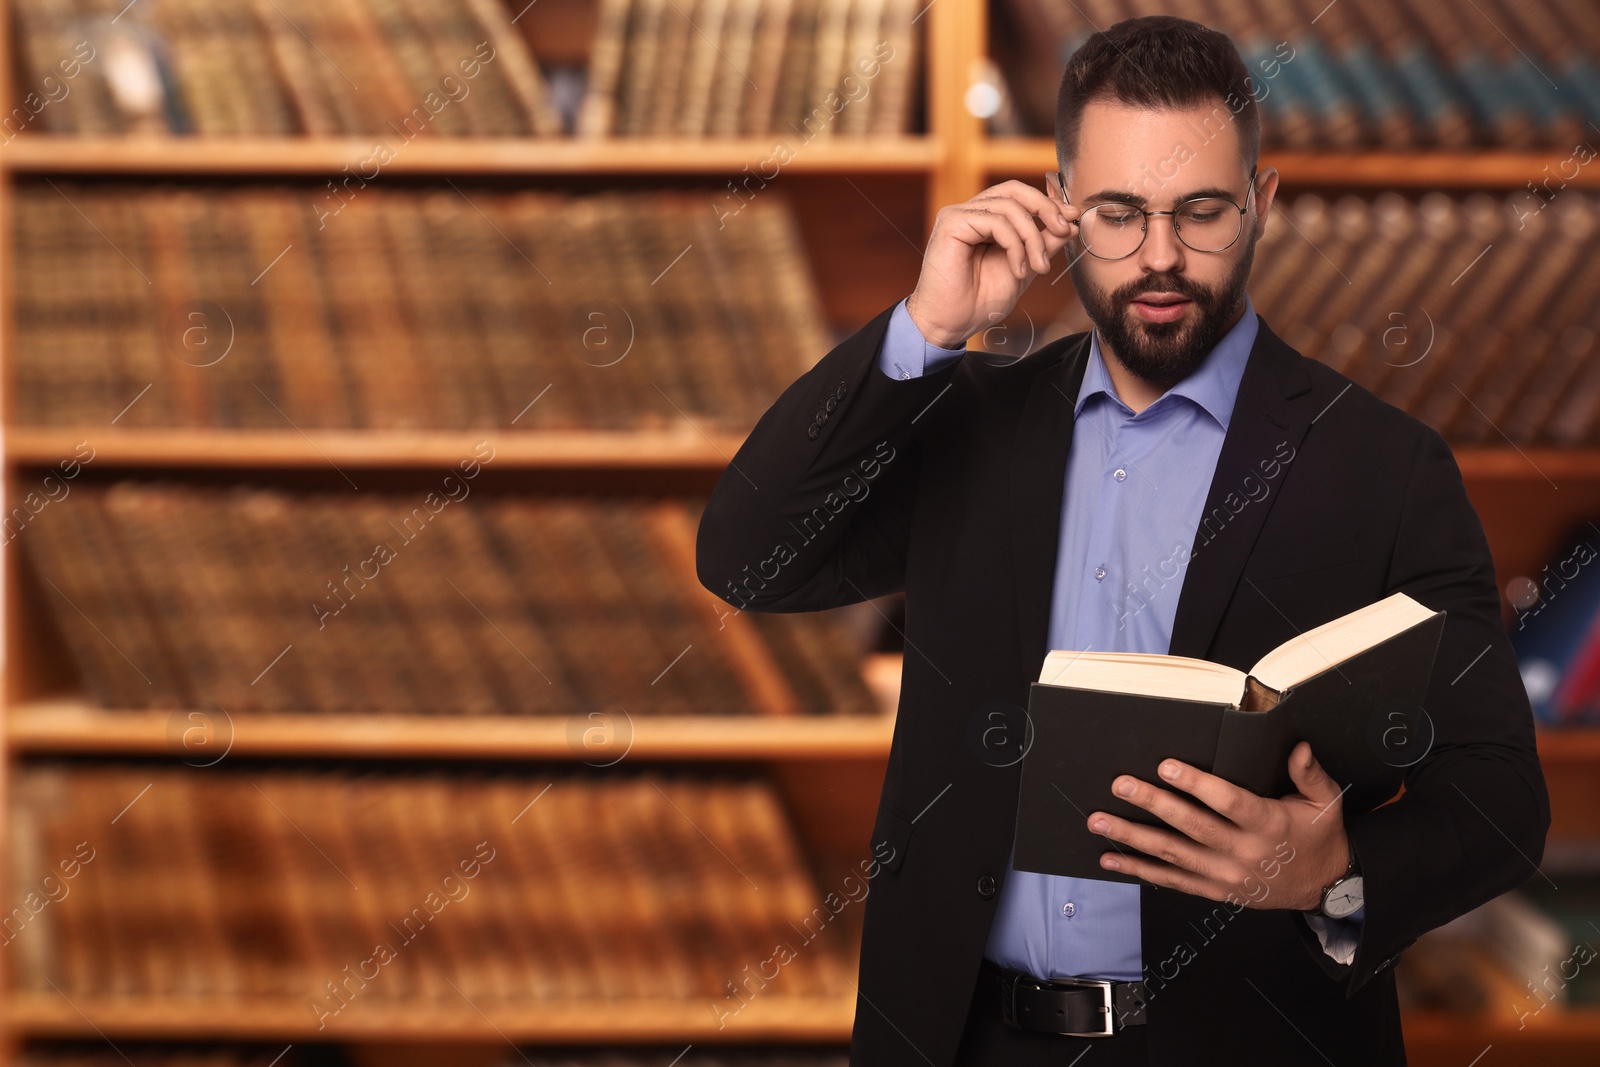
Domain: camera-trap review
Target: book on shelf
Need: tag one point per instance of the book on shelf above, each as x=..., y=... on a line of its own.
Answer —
x=1093, y=716
x=1541, y=935
x=1425, y=74
x=393, y=69
x=795, y=69
x=290, y=307
x=1399, y=296
x=1555, y=632
x=332, y=888
x=254, y=599
x=1443, y=974
x=400, y=69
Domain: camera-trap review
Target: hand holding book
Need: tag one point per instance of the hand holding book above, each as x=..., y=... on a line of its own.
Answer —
x=1351, y=688
x=1233, y=845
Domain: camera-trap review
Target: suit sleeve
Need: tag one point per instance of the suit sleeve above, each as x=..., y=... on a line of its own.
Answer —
x=1471, y=821
x=814, y=510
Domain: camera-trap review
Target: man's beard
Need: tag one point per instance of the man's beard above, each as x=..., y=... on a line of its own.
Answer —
x=1163, y=353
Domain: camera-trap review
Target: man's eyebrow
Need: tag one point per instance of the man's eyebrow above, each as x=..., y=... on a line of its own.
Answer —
x=1113, y=196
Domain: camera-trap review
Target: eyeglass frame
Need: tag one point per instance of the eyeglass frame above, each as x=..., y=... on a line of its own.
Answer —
x=1061, y=183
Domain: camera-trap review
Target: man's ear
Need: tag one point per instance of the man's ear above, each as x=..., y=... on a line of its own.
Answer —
x=1266, y=193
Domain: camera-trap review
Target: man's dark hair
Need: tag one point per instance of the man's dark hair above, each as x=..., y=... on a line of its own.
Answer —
x=1159, y=61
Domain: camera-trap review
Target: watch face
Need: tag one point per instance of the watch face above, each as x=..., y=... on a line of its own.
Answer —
x=1344, y=897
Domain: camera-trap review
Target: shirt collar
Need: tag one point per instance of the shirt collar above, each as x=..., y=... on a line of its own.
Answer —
x=1213, y=386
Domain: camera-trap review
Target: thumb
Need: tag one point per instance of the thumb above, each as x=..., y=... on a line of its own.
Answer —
x=1309, y=777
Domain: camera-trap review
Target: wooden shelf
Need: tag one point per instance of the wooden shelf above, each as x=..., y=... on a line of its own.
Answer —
x=68, y=726
x=1030, y=157
x=682, y=449
x=1569, y=745
x=695, y=155
x=689, y=156
x=1503, y=463
x=1455, y=1038
x=763, y=1018
x=72, y=726
x=720, y=157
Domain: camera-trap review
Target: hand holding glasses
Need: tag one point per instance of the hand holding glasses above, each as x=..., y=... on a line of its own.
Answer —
x=1114, y=231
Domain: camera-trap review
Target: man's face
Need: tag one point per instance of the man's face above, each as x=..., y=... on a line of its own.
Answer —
x=1163, y=308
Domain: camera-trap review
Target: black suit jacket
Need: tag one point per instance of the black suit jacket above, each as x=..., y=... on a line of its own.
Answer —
x=949, y=487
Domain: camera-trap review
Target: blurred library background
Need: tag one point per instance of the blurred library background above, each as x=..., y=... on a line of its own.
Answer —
x=367, y=364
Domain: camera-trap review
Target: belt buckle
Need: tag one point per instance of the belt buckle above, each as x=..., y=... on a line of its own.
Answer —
x=1104, y=985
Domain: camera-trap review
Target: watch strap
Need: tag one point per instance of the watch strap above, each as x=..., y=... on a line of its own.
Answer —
x=1349, y=869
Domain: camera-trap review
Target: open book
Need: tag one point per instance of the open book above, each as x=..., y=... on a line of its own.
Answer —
x=1354, y=687
x=1292, y=662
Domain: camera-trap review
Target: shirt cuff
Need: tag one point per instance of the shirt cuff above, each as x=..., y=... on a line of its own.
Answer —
x=1338, y=936
x=906, y=353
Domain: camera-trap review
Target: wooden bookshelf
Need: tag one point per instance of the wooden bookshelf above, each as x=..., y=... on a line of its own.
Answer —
x=829, y=770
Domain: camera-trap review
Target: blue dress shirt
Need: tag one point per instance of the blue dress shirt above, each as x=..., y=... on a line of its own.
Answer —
x=1135, y=487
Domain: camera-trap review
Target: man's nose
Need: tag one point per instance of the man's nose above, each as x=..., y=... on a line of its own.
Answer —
x=1161, y=250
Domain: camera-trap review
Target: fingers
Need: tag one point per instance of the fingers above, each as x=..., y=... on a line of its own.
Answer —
x=1049, y=210
x=1314, y=782
x=1022, y=204
x=1239, y=806
x=1004, y=215
x=1190, y=819
x=1176, y=853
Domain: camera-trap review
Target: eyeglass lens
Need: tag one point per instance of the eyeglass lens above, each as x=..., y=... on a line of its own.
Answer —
x=1112, y=231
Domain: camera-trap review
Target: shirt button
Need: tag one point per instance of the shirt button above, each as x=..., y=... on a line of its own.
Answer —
x=1099, y=573
x=905, y=374
x=1068, y=908
x=1120, y=474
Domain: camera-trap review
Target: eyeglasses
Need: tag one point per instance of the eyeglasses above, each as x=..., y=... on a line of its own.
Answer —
x=1116, y=231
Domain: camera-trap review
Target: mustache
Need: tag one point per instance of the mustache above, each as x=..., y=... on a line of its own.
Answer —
x=1168, y=283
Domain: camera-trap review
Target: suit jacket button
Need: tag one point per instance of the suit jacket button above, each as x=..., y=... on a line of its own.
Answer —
x=986, y=886
x=813, y=430
x=832, y=403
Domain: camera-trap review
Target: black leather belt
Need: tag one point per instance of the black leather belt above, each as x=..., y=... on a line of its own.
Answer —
x=1078, y=1007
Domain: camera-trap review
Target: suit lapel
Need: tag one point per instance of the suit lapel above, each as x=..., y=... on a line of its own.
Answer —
x=1037, y=475
x=1264, y=425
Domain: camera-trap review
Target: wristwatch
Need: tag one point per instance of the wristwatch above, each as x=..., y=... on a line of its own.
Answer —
x=1342, y=897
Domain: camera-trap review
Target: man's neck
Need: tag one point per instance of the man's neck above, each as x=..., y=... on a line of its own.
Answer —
x=1139, y=393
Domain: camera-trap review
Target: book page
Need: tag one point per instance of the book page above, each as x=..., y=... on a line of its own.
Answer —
x=1149, y=673
x=1337, y=640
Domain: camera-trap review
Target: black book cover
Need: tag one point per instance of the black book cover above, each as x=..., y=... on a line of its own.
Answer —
x=1363, y=717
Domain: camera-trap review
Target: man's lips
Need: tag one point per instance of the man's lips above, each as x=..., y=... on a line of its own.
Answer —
x=1161, y=299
